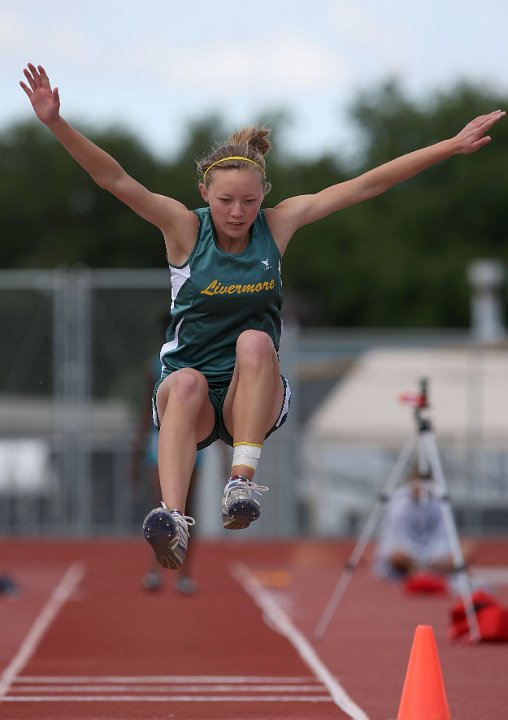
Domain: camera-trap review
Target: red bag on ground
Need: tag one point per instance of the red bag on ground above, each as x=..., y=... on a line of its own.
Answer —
x=491, y=616
x=426, y=584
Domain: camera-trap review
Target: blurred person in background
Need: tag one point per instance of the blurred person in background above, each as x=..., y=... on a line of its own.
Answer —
x=221, y=376
x=413, y=538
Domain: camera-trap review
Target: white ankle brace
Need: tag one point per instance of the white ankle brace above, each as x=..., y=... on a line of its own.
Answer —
x=245, y=453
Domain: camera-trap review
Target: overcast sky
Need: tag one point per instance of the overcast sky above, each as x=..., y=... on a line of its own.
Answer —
x=151, y=65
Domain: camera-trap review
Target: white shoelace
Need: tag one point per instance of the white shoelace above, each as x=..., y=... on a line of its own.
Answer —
x=190, y=521
x=249, y=485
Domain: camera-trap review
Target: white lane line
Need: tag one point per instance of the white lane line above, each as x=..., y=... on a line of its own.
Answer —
x=187, y=689
x=174, y=689
x=278, y=621
x=76, y=679
x=58, y=598
x=165, y=688
x=167, y=698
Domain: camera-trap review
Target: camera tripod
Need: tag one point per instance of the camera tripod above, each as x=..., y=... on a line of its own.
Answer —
x=429, y=465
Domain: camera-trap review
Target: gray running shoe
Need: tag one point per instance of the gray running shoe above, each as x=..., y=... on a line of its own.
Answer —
x=167, y=531
x=239, y=508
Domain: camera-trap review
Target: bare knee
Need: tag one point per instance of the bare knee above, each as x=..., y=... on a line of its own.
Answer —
x=254, y=348
x=185, y=388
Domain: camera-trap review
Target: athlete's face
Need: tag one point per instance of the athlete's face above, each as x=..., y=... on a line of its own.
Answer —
x=234, y=196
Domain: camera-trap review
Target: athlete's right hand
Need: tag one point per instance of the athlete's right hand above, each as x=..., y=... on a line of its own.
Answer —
x=45, y=101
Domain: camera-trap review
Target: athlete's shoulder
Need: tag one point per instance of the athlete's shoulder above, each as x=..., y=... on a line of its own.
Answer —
x=203, y=213
x=205, y=223
x=262, y=229
x=261, y=221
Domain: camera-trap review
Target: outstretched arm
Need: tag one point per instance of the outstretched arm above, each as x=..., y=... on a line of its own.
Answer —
x=295, y=212
x=162, y=211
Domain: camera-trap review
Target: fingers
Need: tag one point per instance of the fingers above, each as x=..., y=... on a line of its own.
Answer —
x=44, y=77
x=497, y=115
x=36, y=77
x=30, y=76
x=25, y=88
x=478, y=144
x=480, y=125
x=481, y=142
x=486, y=121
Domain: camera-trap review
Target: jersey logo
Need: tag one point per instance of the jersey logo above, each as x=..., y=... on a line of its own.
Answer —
x=217, y=288
x=266, y=264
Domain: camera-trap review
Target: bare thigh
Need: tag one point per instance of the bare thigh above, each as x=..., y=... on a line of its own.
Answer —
x=276, y=402
x=184, y=393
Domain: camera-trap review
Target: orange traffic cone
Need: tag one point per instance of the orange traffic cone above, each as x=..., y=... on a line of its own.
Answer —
x=423, y=695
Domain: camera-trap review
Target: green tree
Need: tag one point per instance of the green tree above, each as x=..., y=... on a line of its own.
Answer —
x=429, y=229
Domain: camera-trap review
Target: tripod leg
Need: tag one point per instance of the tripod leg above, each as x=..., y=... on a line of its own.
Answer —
x=368, y=531
x=430, y=449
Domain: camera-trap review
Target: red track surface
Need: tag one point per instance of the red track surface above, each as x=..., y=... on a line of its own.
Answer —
x=84, y=640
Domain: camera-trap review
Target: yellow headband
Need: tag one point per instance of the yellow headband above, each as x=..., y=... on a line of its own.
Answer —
x=233, y=157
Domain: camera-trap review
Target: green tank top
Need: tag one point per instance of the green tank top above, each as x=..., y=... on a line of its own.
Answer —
x=217, y=295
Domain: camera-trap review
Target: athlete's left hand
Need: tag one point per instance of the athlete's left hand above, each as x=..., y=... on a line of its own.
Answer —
x=473, y=137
